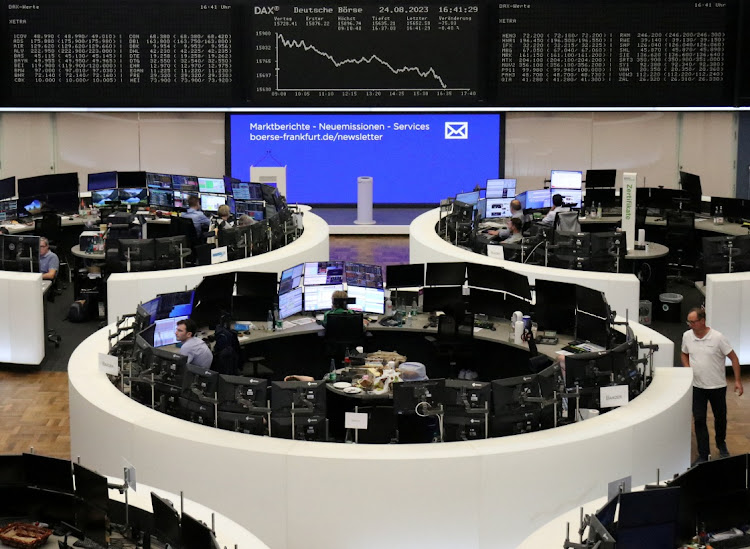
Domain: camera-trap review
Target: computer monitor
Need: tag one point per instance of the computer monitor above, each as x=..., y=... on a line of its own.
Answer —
x=591, y=301
x=195, y=534
x=555, y=305
x=449, y=299
x=291, y=278
x=608, y=244
x=181, y=198
x=241, y=394
x=185, y=183
x=303, y=396
x=244, y=190
x=7, y=188
x=61, y=183
x=488, y=302
x=368, y=300
x=517, y=284
x=199, y=383
x=20, y=253
x=592, y=328
x=489, y=277
x=211, y=185
x=134, y=197
x=500, y=188
x=600, y=178
x=8, y=210
x=318, y=298
x=147, y=312
x=731, y=208
x=564, y=179
x=571, y=197
x=418, y=397
x=91, y=487
x=256, y=210
x=174, y=304
x=242, y=422
x=211, y=202
x=512, y=393
x=363, y=275
x=691, y=184
x=470, y=198
x=137, y=254
x=215, y=288
x=538, y=199
x=664, y=199
x=166, y=521
x=48, y=473
x=132, y=180
x=405, y=276
x=606, y=197
x=445, y=274
x=104, y=197
x=261, y=286
x=324, y=272
x=158, y=181
x=650, y=518
x=161, y=199
x=497, y=207
x=164, y=332
x=290, y=302
x=170, y=251
x=469, y=395
x=103, y=180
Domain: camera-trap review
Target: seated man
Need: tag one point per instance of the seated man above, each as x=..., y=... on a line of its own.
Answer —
x=516, y=210
x=245, y=220
x=223, y=220
x=49, y=263
x=194, y=348
x=557, y=206
x=514, y=225
x=195, y=214
x=338, y=305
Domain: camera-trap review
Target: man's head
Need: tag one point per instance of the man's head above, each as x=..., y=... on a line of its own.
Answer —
x=338, y=299
x=557, y=200
x=185, y=329
x=223, y=211
x=515, y=225
x=43, y=245
x=194, y=202
x=515, y=205
x=696, y=319
x=245, y=220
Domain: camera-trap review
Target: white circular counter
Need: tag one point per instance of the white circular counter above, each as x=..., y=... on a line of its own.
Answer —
x=126, y=290
x=296, y=494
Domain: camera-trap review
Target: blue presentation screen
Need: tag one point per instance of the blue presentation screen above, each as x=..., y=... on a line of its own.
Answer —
x=413, y=158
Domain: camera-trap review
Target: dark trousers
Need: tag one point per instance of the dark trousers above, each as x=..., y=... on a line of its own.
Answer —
x=718, y=400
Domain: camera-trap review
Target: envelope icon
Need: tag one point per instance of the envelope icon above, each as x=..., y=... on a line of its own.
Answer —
x=457, y=130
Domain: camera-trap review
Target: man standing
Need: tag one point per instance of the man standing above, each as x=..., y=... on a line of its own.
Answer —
x=49, y=263
x=705, y=350
x=194, y=348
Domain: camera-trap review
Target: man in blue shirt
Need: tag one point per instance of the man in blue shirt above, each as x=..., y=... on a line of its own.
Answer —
x=194, y=348
x=195, y=214
x=49, y=263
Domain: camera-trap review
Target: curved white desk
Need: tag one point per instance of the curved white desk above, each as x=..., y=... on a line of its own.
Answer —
x=426, y=246
x=126, y=290
x=296, y=494
x=22, y=324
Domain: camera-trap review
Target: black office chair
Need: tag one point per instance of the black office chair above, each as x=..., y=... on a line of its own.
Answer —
x=259, y=240
x=343, y=331
x=453, y=344
x=680, y=240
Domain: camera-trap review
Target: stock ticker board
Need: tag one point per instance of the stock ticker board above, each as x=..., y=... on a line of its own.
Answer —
x=184, y=53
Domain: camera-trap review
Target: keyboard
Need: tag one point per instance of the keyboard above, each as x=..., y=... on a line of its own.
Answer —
x=88, y=544
x=736, y=542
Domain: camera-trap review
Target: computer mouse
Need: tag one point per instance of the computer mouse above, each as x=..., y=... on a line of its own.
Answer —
x=70, y=218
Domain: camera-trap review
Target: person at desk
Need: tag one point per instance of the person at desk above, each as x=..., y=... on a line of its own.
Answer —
x=49, y=263
x=194, y=213
x=515, y=225
x=516, y=210
x=223, y=219
x=338, y=305
x=557, y=206
x=194, y=348
x=245, y=220
x=705, y=350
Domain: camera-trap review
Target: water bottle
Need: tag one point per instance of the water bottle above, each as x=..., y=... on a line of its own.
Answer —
x=599, y=210
x=332, y=371
x=277, y=316
x=269, y=323
x=414, y=307
x=388, y=307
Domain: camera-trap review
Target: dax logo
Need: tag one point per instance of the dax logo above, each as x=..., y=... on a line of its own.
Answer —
x=457, y=130
x=265, y=10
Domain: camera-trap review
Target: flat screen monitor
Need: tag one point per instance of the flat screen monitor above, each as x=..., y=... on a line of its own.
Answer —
x=470, y=198
x=663, y=199
x=218, y=287
x=364, y=275
x=555, y=305
x=600, y=178
x=134, y=197
x=500, y=188
x=166, y=521
x=48, y=473
x=185, y=183
x=517, y=284
x=291, y=278
x=324, y=272
x=488, y=302
x=104, y=197
x=571, y=197
x=731, y=208
x=244, y=190
x=449, y=299
x=195, y=534
x=148, y=310
x=145, y=338
x=256, y=210
x=174, y=304
x=213, y=185
x=211, y=202
x=8, y=210
x=497, y=207
x=20, y=253
x=473, y=395
x=418, y=397
x=256, y=284
x=318, y=298
x=252, y=308
x=538, y=199
x=91, y=487
x=690, y=183
x=7, y=188
x=509, y=394
x=606, y=197
x=164, y=333
x=240, y=393
x=48, y=184
x=405, y=276
x=103, y=180
x=564, y=179
x=591, y=301
x=159, y=181
x=368, y=300
x=445, y=274
x=132, y=180
x=489, y=277
x=304, y=396
x=161, y=199
x=290, y=302
x=592, y=328
x=181, y=198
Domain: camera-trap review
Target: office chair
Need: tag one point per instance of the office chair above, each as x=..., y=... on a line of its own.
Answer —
x=343, y=331
x=453, y=343
x=567, y=222
x=259, y=240
x=680, y=240
x=50, y=227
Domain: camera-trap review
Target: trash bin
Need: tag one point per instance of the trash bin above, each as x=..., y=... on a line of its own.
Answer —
x=644, y=312
x=670, y=309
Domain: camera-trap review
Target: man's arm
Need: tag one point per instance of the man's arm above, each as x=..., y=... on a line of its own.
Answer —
x=732, y=356
x=49, y=275
x=685, y=359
